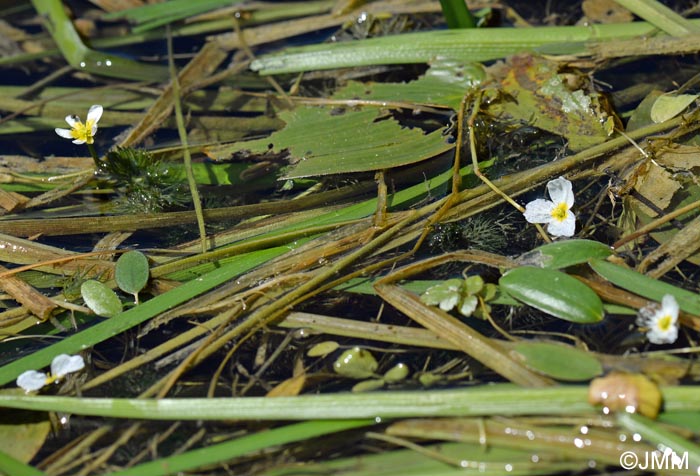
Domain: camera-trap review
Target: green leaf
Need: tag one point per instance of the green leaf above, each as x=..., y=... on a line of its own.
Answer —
x=100, y=299
x=562, y=254
x=322, y=143
x=131, y=272
x=356, y=363
x=553, y=292
x=559, y=361
x=444, y=84
x=669, y=106
x=650, y=288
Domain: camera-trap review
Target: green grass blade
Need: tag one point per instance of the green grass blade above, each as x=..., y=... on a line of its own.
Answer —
x=9, y=466
x=468, y=45
x=83, y=58
x=660, y=16
x=247, y=444
x=457, y=14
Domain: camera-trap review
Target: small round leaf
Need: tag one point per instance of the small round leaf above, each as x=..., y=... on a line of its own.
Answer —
x=100, y=299
x=131, y=272
x=356, y=363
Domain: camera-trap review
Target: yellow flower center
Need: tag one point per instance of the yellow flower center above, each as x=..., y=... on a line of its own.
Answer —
x=665, y=323
x=559, y=212
x=82, y=131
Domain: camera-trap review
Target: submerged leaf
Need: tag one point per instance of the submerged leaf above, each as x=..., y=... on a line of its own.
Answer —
x=562, y=254
x=559, y=361
x=650, y=288
x=131, y=272
x=553, y=292
x=668, y=106
x=323, y=142
x=356, y=363
x=100, y=299
x=444, y=84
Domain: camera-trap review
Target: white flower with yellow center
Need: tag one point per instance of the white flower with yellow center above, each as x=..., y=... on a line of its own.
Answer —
x=79, y=132
x=62, y=364
x=660, y=322
x=556, y=213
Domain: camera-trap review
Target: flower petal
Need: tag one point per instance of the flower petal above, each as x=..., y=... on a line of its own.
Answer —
x=560, y=190
x=65, y=133
x=72, y=120
x=94, y=113
x=64, y=364
x=79, y=141
x=658, y=336
x=539, y=211
x=669, y=306
x=31, y=380
x=566, y=227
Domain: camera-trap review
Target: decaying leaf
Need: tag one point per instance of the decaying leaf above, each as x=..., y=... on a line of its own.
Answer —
x=667, y=183
x=534, y=91
x=620, y=391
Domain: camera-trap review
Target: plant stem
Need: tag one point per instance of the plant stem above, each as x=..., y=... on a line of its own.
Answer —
x=185, y=146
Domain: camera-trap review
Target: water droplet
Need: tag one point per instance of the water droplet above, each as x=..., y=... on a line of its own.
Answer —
x=509, y=468
x=535, y=458
x=108, y=62
x=377, y=419
x=637, y=437
x=584, y=430
x=578, y=443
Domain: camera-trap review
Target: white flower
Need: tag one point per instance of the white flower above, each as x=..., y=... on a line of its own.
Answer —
x=79, y=132
x=556, y=213
x=62, y=364
x=661, y=322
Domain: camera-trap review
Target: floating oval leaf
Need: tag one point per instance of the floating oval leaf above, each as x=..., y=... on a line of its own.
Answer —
x=668, y=106
x=100, y=299
x=559, y=361
x=553, y=292
x=562, y=254
x=356, y=363
x=131, y=272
